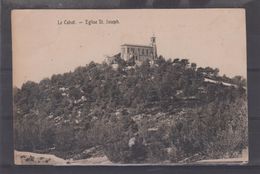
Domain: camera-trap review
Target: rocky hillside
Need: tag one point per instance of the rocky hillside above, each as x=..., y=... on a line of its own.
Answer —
x=162, y=111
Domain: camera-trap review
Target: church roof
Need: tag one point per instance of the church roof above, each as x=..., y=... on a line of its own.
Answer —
x=133, y=45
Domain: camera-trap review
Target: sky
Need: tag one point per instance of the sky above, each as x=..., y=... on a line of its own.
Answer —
x=208, y=37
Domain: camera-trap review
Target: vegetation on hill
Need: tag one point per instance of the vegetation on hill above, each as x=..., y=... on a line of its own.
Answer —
x=161, y=111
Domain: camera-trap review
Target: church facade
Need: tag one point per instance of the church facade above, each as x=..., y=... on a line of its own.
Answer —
x=139, y=53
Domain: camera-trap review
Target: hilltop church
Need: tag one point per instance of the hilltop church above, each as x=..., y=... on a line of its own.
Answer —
x=138, y=53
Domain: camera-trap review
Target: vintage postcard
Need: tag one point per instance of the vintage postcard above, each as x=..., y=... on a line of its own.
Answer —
x=130, y=87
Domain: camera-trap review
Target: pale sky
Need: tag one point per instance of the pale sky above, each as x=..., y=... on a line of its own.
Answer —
x=41, y=47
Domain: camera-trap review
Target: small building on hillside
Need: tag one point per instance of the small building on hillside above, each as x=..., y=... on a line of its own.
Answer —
x=139, y=53
x=136, y=53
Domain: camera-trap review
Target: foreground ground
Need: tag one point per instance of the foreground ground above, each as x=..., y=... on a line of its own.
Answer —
x=29, y=158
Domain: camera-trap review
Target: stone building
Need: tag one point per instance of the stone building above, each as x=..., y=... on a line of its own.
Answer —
x=139, y=52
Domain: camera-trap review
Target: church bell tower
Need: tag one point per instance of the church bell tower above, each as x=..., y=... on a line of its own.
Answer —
x=153, y=44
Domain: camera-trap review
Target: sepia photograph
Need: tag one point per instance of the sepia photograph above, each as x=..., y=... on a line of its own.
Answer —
x=130, y=87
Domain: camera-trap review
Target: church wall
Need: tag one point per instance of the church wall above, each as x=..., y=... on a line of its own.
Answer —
x=138, y=52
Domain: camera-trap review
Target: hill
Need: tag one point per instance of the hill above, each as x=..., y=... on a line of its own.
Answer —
x=166, y=110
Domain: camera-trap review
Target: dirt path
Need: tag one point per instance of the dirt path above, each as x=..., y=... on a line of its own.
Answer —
x=29, y=158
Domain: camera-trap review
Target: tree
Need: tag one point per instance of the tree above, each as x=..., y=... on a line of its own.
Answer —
x=193, y=66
